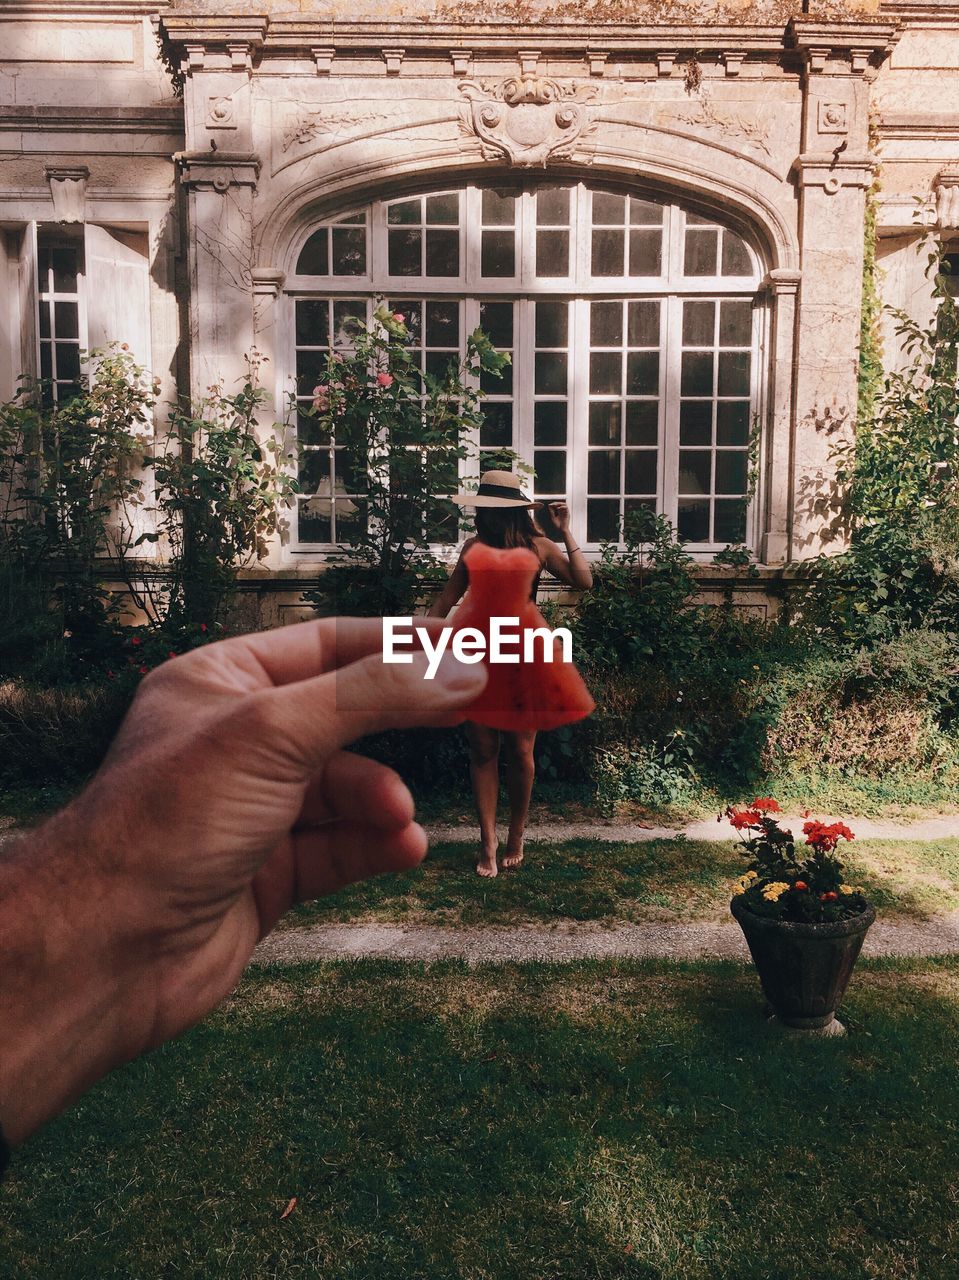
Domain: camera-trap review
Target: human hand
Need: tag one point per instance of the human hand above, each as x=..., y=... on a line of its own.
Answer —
x=559, y=512
x=225, y=798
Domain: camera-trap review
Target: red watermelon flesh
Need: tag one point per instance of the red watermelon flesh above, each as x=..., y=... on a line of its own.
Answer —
x=528, y=695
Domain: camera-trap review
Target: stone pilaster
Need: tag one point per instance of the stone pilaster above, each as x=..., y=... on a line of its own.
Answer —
x=782, y=287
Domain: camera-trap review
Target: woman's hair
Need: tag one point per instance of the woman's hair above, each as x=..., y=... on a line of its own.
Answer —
x=505, y=526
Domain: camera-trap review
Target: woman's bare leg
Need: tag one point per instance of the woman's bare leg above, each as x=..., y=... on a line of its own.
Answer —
x=484, y=775
x=520, y=771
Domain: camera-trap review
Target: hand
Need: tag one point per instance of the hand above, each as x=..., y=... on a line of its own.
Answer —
x=560, y=515
x=225, y=798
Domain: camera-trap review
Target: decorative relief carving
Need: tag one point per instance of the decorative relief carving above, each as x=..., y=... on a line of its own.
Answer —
x=731, y=124
x=529, y=119
x=947, y=199
x=220, y=113
x=832, y=117
x=327, y=124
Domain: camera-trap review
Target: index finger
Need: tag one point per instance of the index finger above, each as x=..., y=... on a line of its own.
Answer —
x=302, y=650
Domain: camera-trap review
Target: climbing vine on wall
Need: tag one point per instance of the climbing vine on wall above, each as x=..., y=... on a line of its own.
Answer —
x=870, y=337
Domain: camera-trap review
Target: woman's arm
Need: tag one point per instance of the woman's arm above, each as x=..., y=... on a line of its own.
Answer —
x=574, y=571
x=453, y=589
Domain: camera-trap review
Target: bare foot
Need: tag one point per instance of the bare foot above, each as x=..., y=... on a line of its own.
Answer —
x=487, y=863
x=514, y=855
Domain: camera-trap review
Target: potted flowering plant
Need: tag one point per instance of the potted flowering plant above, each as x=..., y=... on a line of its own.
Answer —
x=803, y=923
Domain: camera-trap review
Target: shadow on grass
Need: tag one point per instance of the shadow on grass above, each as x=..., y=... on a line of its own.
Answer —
x=592, y=1120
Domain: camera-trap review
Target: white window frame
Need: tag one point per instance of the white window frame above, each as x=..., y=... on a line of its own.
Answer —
x=578, y=288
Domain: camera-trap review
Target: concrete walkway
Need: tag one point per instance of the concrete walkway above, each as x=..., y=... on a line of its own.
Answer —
x=571, y=940
x=942, y=827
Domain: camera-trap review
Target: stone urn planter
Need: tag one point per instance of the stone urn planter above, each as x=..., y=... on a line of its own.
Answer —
x=804, y=968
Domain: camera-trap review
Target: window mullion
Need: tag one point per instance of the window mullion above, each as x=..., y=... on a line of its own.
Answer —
x=577, y=443
x=670, y=391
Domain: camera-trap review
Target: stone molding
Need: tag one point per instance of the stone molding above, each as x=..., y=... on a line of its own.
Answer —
x=846, y=48
x=71, y=119
x=267, y=282
x=818, y=169
x=947, y=199
x=782, y=280
x=217, y=171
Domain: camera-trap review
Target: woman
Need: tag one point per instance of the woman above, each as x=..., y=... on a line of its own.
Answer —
x=503, y=520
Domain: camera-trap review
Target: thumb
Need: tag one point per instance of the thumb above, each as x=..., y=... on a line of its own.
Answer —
x=328, y=712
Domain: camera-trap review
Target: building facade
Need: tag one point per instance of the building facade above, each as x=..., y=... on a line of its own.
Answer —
x=659, y=210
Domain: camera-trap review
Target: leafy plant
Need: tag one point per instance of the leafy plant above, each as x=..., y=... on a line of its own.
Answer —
x=402, y=433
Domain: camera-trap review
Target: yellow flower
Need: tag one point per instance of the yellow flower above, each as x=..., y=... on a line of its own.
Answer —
x=752, y=875
x=848, y=889
x=738, y=889
x=773, y=892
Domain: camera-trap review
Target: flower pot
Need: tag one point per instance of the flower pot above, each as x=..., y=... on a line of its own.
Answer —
x=804, y=968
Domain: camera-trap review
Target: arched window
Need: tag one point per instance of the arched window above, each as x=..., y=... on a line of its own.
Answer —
x=632, y=327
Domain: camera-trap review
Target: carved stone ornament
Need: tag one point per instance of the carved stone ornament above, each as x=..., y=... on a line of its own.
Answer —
x=68, y=187
x=529, y=119
x=947, y=199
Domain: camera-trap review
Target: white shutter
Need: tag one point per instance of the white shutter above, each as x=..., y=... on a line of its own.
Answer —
x=118, y=289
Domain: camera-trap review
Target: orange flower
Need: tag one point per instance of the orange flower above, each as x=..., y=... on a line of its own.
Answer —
x=801, y=886
x=829, y=897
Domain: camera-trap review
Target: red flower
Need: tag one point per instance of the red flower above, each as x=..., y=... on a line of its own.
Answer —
x=143, y=670
x=384, y=379
x=171, y=654
x=826, y=837
x=829, y=897
x=740, y=818
x=801, y=886
x=136, y=640
x=766, y=804
x=203, y=626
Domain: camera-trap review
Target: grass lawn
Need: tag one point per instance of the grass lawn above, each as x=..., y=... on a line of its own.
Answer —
x=651, y=880
x=586, y=1121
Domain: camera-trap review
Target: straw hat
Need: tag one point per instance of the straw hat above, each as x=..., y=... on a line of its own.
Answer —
x=496, y=489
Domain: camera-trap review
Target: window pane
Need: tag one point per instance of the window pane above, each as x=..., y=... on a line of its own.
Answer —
x=605, y=422
x=550, y=467
x=498, y=256
x=552, y=324
x=549, y=422
x=405, y=253
x=644, y=324
x=645, y=253
x=735, y=324
x=644, y=214
x=734, y=373
x=605, y=373
x=45, y=319
x=496, y=431
x=66, y=266
x=731, y=471
x=552, y=207
x=442, y=253
x=730, y=520
x=608, y=210
x=349, y=251
x=442, y=324
x=439, y=364
x=642, y=373
x=310, y=370
x=345, y=316
x=497, y=384
x=552, y=253
x=499, y=208
x=696, y=422
x=314, y=469
x=699, y=324
x=68, y=320
x=603, y=471
x=735, y=256
x=606, y=324
x=695, y=471
x=732, y=422
x=46, y=360
x=444, y=209
x=314, y=256
x=551, y=373
x=404, y=213
x=640, y=470
x=693, y=522
x=350, y=522
x=602, y=520
x=642, y=422
x=314, y=527
x=496, y=321
x=701, y=248
x=608, y=250
x=68, y=360
x=312, y=322
x=697, y=373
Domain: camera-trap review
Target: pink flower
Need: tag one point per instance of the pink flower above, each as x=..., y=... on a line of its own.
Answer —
x=321, y=397
x=399, y=317
x=384, y=379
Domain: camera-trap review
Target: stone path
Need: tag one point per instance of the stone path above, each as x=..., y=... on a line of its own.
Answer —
x=571, y=940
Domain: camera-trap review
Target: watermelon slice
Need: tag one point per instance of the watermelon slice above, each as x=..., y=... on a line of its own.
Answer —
x=528, y=695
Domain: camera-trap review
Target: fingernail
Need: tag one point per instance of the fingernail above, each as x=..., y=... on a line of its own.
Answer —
x=460, y=676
